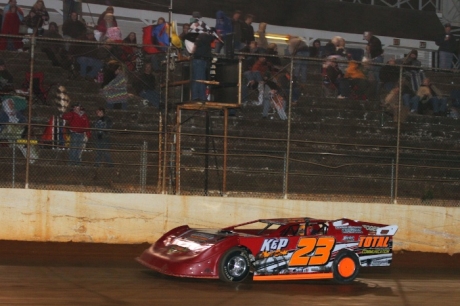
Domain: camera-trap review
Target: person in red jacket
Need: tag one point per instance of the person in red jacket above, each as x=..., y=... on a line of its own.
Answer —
x=78, y=124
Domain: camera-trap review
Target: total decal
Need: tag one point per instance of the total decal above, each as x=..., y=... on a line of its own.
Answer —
x=311, y=254
x=375, y=250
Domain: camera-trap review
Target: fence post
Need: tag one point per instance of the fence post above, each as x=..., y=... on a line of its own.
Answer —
x=143, y=166
x=29, y=121
x=14, y=162
x=288, y=144
x=398, y=139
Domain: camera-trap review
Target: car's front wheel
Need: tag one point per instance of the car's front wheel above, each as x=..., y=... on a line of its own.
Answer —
x=234, y=265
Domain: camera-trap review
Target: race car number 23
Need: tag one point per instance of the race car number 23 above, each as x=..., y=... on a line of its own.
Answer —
x=312, y=251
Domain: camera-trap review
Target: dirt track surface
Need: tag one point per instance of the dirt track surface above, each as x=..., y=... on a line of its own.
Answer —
x=100, y=274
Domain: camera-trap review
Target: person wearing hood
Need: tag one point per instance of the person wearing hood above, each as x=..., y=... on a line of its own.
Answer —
x=410, y=60
x=224, y=30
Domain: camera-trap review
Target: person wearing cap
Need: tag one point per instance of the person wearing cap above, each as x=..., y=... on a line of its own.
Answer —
x=447, y=45
x=6, y=78
x=78, y=124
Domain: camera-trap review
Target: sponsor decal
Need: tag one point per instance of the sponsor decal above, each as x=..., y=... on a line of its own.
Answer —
x=274, y=244
x=371, y=228
x=350, y=229
x=374, y=241
x=200, y=237
x=276, y=253
x=375, y=251
x=348, y=238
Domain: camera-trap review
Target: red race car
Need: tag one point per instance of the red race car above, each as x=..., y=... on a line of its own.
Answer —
x=273, y=249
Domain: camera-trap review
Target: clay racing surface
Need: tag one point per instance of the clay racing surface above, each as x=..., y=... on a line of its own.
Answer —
x=100, y=274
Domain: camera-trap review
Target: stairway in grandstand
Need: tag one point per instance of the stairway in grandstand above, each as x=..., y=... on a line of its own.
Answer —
x=338, y=147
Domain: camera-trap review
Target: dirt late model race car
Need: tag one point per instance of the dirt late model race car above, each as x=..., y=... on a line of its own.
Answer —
x=273, y=249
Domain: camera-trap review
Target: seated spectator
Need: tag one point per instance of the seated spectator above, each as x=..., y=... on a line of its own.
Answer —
x=145, y=86
x=273, y=62
x=108, y=10
x=6, y=78
x=354, y=79
x=410, y=60
x=255, y=78
x=249, y=60
x=389, y=75
x=391, y=105
x=73, y=28
x=88, y=57
x=11, y=25
x=116, y=92
x=130, y=51
x=53, y=49
x=333, y=73
x=428, y=97
x=37, y=16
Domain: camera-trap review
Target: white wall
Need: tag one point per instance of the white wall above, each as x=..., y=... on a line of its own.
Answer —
x=42, y=215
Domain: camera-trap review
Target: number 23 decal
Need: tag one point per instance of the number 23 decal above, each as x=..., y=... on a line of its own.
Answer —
x=312, y=251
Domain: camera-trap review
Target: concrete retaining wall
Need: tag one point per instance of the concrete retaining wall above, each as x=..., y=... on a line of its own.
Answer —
x=43, y=215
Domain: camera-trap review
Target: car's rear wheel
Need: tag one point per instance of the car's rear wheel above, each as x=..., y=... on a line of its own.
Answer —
x=234, y=265
x=345, y=267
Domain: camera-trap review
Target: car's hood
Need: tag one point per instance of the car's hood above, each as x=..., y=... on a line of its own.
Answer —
x=197, y=240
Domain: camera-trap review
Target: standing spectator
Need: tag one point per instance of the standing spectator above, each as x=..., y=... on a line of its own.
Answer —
x=315, y=49
x=247, y=30
x=19, y=12
x=102, y=139
x=297, y=47
x=11, y=27
x=69, y=6
x=37, y=16
x=237, y=25
x=201, y=61
x=130, y=52
x=73, y=28
x=447, y=46
x=6, y=78
x=106, y=23
x=78, y=124
x=145, y=86
x=108, y=10
x=375, y=52
x=224, y=30
x=262, y=39
x=53, y=49
x=116, y=91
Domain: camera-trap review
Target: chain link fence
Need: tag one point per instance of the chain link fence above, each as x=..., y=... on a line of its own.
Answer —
x=327, y=149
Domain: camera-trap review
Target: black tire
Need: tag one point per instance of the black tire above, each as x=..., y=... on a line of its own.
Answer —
x=345, y=267
x=234, y=265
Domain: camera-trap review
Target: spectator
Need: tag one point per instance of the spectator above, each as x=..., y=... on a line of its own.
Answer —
x=298, y=48
x=201, y=61
x=315, y=49
x=130, y=52
x=389, y=75
x=224, y=31
x=73, y=28
x=428, y=97
x=375, y=53
x=78, y=124
x=256, y=77
x=105, y=24
x=7, y=8
x=447, y=47
x=11, y=25
x=261, y=39
x=6, y=78
x=69, y=6
x=391, y=105
x=145, y=86
x=108, y=10
x=11, y=130
x=247, y=30
x=410, y=60
x=237, y=25
x=53, y=49
x=353, y=78
x=102, y=139
x=250, y=59
x=87, y=56
x=185, y=30
x=116, y=92
x=334, y=74
x=273, y=62
x=37, y=16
